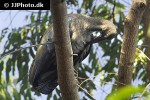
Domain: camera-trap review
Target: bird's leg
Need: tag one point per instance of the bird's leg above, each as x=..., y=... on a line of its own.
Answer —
x=74, y=54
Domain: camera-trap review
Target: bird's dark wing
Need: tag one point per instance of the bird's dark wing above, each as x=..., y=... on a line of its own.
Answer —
x=82, y=55
x=43, y=72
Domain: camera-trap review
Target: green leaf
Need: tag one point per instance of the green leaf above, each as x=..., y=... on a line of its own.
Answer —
x=16, y=95
x=124, y=93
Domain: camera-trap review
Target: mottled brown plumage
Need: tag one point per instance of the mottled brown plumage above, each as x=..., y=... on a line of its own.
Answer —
x=43, y=72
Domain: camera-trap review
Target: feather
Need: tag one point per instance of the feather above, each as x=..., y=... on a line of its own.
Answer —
x=43, y=71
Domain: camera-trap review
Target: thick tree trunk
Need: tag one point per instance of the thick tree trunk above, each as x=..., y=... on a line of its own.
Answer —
x=129, y=42
x=146, y=29
x=66, y=78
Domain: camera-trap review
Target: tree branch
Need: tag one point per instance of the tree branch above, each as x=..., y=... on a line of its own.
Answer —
x=146, y=30
x=22, y=48
x=63, y=49
x=129, y=42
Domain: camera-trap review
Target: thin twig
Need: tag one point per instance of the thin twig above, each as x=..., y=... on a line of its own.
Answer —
x=143, y=54
x=12, y=18
x=113, y=10
x=144, y=91
x=23, y=48
x=144, y=45
x=86, y=92
x=88, y=79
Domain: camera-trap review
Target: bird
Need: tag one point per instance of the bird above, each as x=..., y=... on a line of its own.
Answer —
x=83, y=32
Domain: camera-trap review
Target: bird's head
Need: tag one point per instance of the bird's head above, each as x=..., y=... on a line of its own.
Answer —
x=97, y=28
x=100, y=29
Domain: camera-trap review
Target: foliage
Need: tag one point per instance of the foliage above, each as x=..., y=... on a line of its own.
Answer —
x=124, y=93
x=102, y=61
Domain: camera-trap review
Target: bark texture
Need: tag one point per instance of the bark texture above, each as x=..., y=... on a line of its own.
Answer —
x=146, y=29
x=128, y=49
x=66, y=78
